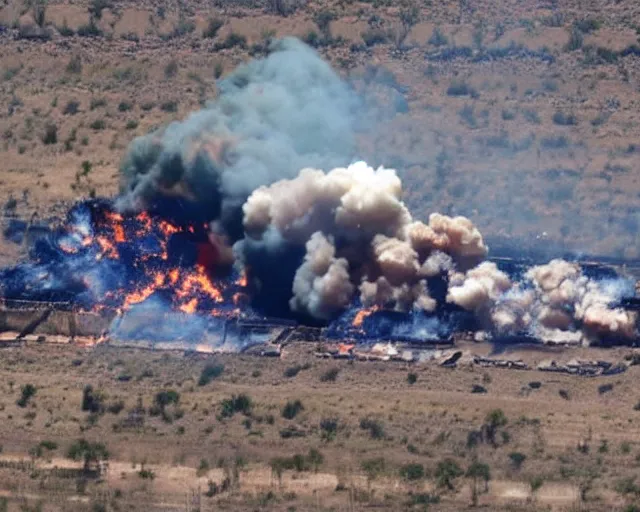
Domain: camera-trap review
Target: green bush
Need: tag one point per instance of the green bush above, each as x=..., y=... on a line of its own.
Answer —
x=291, y=409
x=214, y=25
x=330, y=375
x=412, y=471
x=209, y=373
x=240, y=403
x=50, y=134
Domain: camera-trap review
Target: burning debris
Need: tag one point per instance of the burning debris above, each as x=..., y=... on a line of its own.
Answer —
x=230, y=215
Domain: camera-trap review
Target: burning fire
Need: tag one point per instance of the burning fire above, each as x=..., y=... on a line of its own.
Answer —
x=362, y=314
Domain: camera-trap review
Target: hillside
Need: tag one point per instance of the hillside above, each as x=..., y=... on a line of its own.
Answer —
x=520, y=115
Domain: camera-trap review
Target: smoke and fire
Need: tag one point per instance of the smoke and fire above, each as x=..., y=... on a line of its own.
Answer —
x=229, y=213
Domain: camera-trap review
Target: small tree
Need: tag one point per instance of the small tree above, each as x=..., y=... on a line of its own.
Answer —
x=446, y=472
x=409, y=16
x=535, y=484
x=495, y=420
x=478, y=471
x=89, y=453
x=373, y=468
x=315, y=459
x=28, y=391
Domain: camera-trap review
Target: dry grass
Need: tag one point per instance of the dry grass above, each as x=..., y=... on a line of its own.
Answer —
x=424, y=423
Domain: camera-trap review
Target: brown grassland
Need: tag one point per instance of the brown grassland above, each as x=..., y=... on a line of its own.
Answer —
x=365, y=434
x=521, y=114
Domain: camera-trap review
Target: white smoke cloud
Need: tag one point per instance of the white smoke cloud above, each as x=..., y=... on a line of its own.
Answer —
x=356, y=217
x=556, y=302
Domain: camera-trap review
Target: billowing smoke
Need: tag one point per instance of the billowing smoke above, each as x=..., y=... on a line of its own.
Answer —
x=246, y=173
x=357, y=232
x=272, y=117
x=555, y=302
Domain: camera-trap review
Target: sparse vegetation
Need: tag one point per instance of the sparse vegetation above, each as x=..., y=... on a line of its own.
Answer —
x=291, y=409
x=213, y=26
x=209, y=373
x=330, y=375
x=27, y=392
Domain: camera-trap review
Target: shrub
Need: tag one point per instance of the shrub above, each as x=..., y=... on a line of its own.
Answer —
x=97, y=103
x=64, y=30
x=517, y=459
x=171, y=69
x=508, y=115
x=132, y=124
x=412, y=378
x=329, y=428
x=575, y=40
x=50, y=134
x=71, y=108
x=587, y=25
x=312, y=38
x=169, y=106
x=562, y=119
x=98, y=124
x=531, y=116
x=213, y=26
x=89, y=30
x=116, y=407
x=218, y=69
x=467, y=114
x=374, y=36
x=438, y=38
x=330, y=375
x=240, y=403
x=375, y=428
x=232, y=40
x=458, y=88
x=74, y=65
x=124, y=106
x=49, y=445
x=447, y=471
x=291, y=409
x=91, y=401
x=564, y=394
x=412, y=471
x=146, y=474
x=97, y=6
x=535, y=384
x=209, y=373
x=323, y=20
x=477, y=388
x=560, y=142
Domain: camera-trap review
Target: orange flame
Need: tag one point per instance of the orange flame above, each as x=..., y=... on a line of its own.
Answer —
x=199, y=281
x=167, y=228
x=242, y=280
x=107, y=248
x=189, y=307
x=362, y=314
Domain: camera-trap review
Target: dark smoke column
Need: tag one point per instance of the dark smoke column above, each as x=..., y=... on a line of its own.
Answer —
x=273, y=116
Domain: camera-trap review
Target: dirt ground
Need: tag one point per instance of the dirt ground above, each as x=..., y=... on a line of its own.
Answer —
x=579, y=440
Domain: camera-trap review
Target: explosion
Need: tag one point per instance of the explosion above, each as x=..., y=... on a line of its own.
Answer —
x=230, y=213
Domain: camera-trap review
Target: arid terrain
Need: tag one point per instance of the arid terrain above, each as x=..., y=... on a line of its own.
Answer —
x=302, y=433
x=522, y=115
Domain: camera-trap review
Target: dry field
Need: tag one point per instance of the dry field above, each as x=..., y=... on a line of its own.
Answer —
x=362, y=437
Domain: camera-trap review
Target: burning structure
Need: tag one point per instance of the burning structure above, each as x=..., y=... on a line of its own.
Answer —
x=229, y=215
